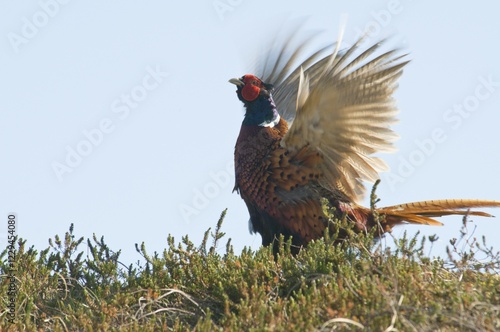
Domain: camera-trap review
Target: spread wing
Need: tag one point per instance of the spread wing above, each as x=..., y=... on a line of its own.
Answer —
x=341, y=106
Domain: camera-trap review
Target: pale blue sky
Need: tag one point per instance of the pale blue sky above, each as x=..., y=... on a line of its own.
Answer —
x=141, y=89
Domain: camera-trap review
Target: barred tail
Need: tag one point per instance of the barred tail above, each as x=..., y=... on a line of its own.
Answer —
x=424, y=212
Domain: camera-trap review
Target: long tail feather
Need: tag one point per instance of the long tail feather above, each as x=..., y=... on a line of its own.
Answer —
x=421, y=212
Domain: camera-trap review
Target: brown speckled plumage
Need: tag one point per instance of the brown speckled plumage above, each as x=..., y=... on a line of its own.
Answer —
x=278, y=185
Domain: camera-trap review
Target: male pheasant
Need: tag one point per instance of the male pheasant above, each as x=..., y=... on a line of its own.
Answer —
x=309, y=133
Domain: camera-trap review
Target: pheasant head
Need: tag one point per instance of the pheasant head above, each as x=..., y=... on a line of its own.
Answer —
x=258, y=101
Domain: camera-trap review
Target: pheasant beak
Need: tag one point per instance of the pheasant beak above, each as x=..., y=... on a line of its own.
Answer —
x=237, y=82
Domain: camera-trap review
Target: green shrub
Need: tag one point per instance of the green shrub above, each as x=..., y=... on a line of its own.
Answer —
x=352, y=286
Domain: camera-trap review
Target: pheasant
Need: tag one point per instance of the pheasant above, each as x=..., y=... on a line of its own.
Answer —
x=309, y=134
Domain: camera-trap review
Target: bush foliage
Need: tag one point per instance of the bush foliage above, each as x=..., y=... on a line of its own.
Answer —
x=357, y=285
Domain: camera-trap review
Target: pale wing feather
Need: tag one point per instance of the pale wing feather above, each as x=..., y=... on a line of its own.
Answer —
x=303, y=90
x=282, y=65
x=346, y=116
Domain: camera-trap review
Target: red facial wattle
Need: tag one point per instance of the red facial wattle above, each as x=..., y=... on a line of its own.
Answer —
x=251, y=90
